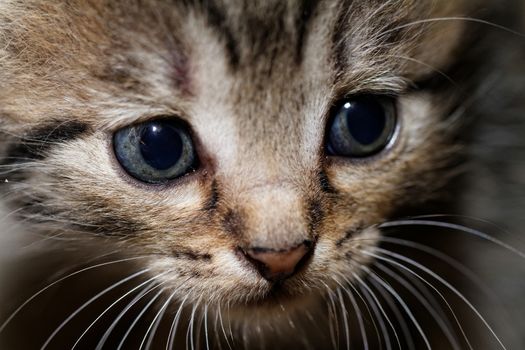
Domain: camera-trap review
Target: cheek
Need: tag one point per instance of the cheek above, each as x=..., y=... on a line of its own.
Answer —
x=337, y=261
x=81, y=182
x=373, y=188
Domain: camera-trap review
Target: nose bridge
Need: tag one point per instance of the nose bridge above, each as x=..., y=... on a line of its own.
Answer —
x=275, y=217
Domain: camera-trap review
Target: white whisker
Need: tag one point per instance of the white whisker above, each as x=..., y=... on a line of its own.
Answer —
x=133, y=302
x=360, y=320
x=440, y=320
x=333, y=321
x=449, y=286
x=14, y=313
x=412, y=273
x=206, y=326
x=424, y=64
x=189, y=332
x=399, y=317
x=222, y=326
x=174, y=325
x=137, y=319
x=369, y=312
x=447, y=259
x=404, y=306
x=457, y=227
x=345, y=318
x=152, y=329
x=447, y=19
x=89, y=302
x=112, y=305
x=380, y=312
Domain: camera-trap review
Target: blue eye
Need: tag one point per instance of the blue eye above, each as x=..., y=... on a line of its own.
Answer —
x=156, y=151
x=361, y=126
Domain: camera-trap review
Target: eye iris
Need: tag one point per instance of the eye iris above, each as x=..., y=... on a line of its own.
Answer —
x=365, y=121
x=161, y=145
x=157, y=151
x=361, y=126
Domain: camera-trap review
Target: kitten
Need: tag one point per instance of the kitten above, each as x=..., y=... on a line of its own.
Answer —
x=217, y=174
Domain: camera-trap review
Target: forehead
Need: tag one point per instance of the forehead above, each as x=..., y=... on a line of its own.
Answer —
x=161, y=55
x=248, y=30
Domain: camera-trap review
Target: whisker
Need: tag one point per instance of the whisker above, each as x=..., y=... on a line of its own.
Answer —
x=216, y=333
x=380, y=308
x=372, y=313
x=452, y=226
x=345, y=318
x=139, y=316
x=431, y=310
x=458, y=216
x=333, y=320
x=174, y=325
x=206, y=326
x=152, y=329
x=86, y=304
x=432, y=300
x=133, y=302
x=412, y=273
x=198, y=329
x=229, y=322
x=399, y=317
x=112, y=305
x=369, y=312
x=448, y=285
x=403, y=305
x=222, y=326
x=445, y=19
x=14, y=313
x=434, y=69
x=465, y=271
x=189, y=332
x=360, y=320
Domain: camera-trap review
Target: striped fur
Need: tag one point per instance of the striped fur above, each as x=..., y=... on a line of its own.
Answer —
x=256, y=82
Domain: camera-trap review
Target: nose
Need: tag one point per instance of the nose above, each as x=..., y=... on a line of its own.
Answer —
x=278, y=264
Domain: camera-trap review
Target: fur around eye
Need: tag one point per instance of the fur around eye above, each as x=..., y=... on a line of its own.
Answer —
x=156, y=151
x=361, y=126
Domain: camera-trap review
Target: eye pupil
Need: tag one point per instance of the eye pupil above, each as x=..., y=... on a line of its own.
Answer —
x=161, y=145
x=366, y=121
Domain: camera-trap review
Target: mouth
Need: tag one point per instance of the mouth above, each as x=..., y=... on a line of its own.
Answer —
x=277, y=300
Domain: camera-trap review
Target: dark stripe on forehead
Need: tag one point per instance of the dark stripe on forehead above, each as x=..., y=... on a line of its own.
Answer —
x=38, y=141
x=254, y=34
x=216, y=18
x=305, y=14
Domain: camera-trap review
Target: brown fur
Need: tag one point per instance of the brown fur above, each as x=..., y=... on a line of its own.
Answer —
x=256, y=86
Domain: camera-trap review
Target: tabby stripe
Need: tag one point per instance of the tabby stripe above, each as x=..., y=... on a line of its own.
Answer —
x=217, y=19
x=302, y=23
x=35, y=145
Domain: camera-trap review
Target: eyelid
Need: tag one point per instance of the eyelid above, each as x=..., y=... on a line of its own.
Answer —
x=140, y=115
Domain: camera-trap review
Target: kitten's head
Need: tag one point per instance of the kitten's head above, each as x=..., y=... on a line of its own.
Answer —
x=249, y=151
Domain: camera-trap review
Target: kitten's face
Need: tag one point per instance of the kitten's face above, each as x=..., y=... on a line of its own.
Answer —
x=256, y=86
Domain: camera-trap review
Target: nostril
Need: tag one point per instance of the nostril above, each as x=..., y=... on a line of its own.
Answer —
x=278, y=264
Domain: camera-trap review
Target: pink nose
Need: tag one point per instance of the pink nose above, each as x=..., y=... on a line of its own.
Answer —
x=275, y=265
